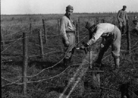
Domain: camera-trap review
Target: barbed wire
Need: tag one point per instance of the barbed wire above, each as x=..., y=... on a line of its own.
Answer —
x=48, y=67
x=56, y=63
x=11, y=83
x=45, y=69
x=41, y=72
x=37, y=80
x=11, y=34
x=43, y=54
x=53, y=65
x=50, y=77
x=23, y=30
x=12, y=44
x=134, y=49
x=5, y=79
x=135, y=44
x=9, y=40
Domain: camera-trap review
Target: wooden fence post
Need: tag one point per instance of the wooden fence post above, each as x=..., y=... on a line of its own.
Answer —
x=41, y=45
x=2, y=42
x=76, y=32
x=128, y=41
x=25, y=63
x=30, y=28
x=45, y=33
x=78, y=29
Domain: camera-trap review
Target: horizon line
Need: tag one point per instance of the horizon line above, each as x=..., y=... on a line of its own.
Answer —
x=64, y=13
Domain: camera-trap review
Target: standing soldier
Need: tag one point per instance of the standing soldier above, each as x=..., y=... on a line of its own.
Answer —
x=122, y=19
x=112, y=37
x=67, y=31
x=135, y=21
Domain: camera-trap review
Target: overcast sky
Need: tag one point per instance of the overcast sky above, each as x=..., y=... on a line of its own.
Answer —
x=58, y=6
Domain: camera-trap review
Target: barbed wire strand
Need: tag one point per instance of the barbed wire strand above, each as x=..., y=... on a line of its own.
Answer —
x=36, y=75
x=9, y=40
x=49, y=67
x=134, y=49
x=8, y=84
x=43, y=54
x=11, y=34
x=134, y=44
x=5, y=79
x=45, y=69
x=54, y=64
x=41, y=70
x=13, y=43
x=37, y=80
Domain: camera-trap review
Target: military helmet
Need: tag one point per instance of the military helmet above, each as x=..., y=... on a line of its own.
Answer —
x=124, y=6
x=89, y=24
x=69, y=7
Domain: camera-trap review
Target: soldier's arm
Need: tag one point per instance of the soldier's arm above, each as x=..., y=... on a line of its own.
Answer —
x=126, y=16
x=63, y=29
x=95, y=37
x=118, y=16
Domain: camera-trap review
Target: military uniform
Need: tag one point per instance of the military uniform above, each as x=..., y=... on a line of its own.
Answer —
x=67, y=31
x=122, y=19
x=112, y=36
x=136, y=24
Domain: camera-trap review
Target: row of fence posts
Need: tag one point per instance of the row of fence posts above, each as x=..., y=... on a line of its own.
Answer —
x=25, y=48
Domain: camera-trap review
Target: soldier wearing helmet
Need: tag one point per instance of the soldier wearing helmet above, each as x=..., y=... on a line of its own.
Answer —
x=67, y=31
x=122, y=19
x=112, y=37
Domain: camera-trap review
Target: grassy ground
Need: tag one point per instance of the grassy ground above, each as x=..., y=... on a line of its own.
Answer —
x=49, y=76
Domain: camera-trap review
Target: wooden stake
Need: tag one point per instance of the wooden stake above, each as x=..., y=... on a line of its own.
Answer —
x=2, y=42
x=78, y=30
x=41, y=45
x=128, y=41
x=45, y=33
x=25, y=63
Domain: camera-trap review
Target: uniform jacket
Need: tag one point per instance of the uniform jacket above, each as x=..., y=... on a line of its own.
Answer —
x=66, y=26
x=122, y=17
x=102, y=29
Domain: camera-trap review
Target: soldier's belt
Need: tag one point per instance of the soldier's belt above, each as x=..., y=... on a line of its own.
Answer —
x=70, y=31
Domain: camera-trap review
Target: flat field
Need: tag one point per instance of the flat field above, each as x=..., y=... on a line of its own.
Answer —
x=46, y=77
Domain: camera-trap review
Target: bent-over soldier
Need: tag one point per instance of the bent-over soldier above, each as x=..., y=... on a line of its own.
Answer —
x=111, y=36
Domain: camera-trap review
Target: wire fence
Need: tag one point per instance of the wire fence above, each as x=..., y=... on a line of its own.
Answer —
x=17, y=82
x=38, y=72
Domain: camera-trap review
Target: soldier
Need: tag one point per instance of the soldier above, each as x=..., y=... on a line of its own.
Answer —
x=122, y=19
x=135, y=21
x=111, y=36
x=67, y=31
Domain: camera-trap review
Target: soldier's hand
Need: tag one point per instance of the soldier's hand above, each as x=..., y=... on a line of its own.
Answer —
x=67, y=43
x=83, y=46
x=102, y=45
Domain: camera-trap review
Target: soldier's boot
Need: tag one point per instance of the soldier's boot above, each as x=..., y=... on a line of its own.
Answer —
x=117, y=61
x=123, y=30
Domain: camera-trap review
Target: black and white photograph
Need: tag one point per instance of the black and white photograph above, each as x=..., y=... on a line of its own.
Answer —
x=69, y=48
